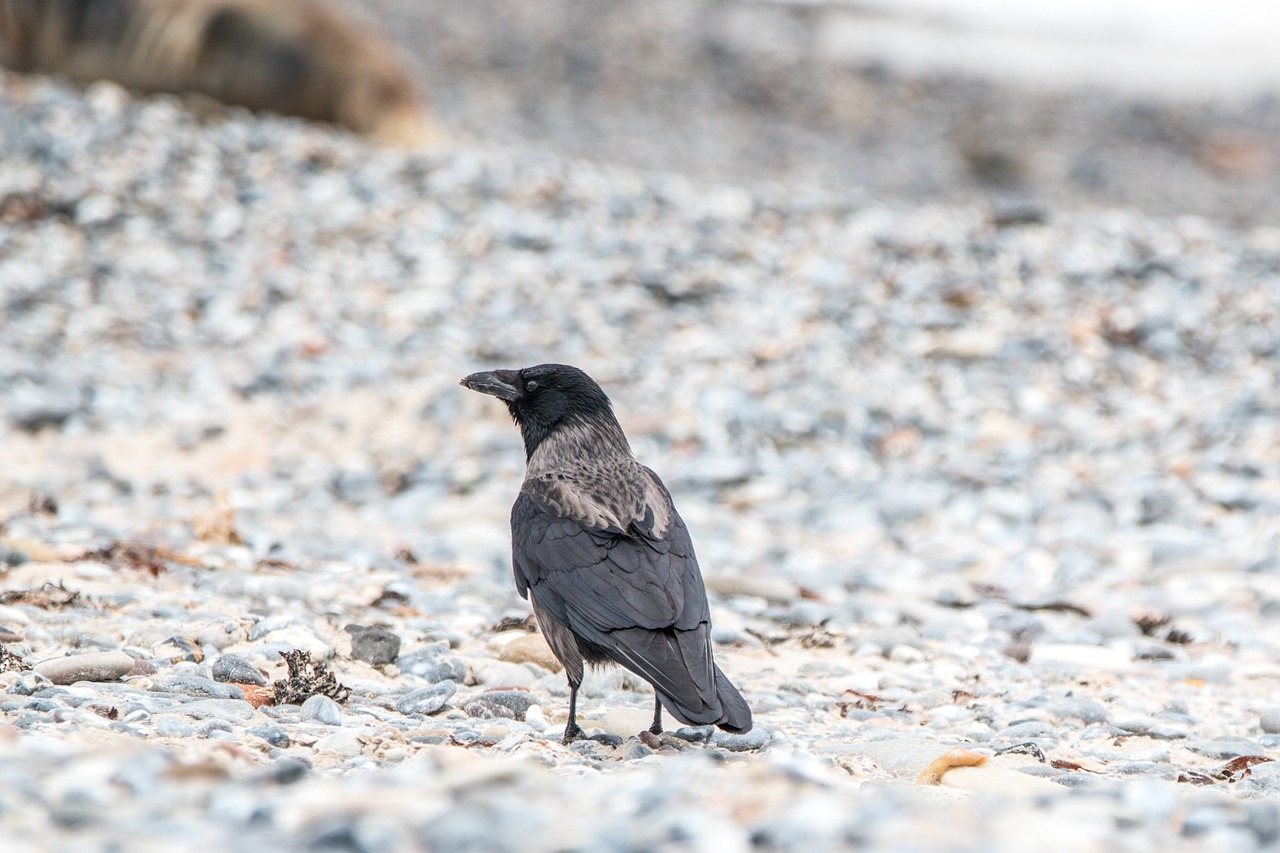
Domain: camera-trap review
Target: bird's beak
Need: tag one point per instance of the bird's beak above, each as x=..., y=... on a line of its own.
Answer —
x=497, y=383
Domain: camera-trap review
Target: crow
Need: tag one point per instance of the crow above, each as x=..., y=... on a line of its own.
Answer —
x=599, y=549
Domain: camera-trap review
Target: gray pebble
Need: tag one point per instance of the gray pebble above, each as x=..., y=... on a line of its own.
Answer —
x=757, y=738
x=1226, y=747
x=91, y=666
x=434, y=663
x=322, y=709
x=272, y=734
x=1270, y=721
x=232, y=669
x=427, y=700
x=505, y=704
x=373, y=645
x=695, y=734
x=173, y=726
x=194, y=685
x=236, y=710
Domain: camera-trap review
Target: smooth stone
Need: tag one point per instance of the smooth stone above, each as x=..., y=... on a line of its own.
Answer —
x=299, y=637
x=322, y=709
x=757, y=738
x=373, y=645
x=91, y=666
x=193, y=685
x=345, y=744
x=1226, y=747
x=530, y=648
x=1270, y=721
x=499, y=704
x=1085, y=710
x=695, y=734
x=488, y=672
x=427, y=700
x=272, y=734
x=626, y=722
x=237, y=710
x=233, y=669
x=283, y=771
x=174, y=726
x=435, y=663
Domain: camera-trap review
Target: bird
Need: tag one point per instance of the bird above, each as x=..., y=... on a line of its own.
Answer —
x=601, y=554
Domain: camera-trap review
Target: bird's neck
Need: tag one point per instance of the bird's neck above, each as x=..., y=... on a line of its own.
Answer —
x=596, y=436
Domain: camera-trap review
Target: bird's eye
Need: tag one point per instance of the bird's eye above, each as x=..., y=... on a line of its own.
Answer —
x=531, y=385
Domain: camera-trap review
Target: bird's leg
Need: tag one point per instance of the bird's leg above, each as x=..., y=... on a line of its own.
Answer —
x=656, y=728
x=571, y=730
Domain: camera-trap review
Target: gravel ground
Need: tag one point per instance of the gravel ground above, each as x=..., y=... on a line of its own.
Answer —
x=1010, y=487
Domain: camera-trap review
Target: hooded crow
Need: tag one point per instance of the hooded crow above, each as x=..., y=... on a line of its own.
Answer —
x=602, y=554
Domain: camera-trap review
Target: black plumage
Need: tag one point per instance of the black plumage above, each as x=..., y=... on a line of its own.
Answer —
x=602, y=554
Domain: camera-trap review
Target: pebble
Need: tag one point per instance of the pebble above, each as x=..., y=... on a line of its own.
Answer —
x=231, y=669
x=373, y=645
x=322, y=709
x=91, y=666
x=503, y=704
x=1270, y=721
x=192, y=685
x=530, y=648
x=433, y=663
x=236, y=710
x=427, y=700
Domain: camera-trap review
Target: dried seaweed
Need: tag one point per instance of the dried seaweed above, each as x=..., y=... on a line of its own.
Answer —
x=9, y=662
x=307, y=678
x=49, y=596
x=134, y=555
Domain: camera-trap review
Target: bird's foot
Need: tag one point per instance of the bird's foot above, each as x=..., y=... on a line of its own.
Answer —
x=655, y=729
x=571, y=733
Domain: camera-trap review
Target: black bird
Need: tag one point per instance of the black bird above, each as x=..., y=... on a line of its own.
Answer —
x=602, y=553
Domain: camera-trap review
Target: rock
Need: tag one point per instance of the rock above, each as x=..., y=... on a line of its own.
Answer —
x=322, y=709
x=627, y=722
x=488, y=672
x=302, y=638
x=1226, y=747
x=175, y=649
x=756, y=739
x=272, y=734
x=91, y=666
x=231, y=669
x=1270, y=721
x=344, y=744
x=530, y=648
x=434, y=663
x=192, y=685
x=428, y=700
x=373, y=645
x=232, y=710
x=499, y=704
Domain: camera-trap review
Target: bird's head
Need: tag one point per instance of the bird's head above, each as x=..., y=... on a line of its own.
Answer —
x=545, y=398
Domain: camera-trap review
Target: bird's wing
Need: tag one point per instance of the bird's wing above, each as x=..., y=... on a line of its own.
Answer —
x=597, y=571
x=634, y=592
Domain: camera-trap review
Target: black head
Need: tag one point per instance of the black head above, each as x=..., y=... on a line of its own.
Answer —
x=545, y=398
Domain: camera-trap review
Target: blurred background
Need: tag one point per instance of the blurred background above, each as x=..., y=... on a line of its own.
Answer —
x=1167, y=106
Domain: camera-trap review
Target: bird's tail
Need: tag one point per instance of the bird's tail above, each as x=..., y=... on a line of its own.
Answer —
x=737, y=714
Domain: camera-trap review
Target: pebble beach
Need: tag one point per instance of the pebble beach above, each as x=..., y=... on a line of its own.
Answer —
x=987, y=501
